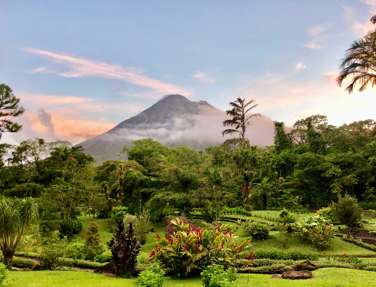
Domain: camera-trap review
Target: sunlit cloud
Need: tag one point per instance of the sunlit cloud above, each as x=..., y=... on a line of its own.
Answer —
x=204, y=77
x=300, y=66
x=82, y=67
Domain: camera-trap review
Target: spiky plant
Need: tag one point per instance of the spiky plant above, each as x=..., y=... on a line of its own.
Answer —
x=15, y=217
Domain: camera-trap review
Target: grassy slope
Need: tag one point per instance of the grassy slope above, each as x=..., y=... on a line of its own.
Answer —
x=323, y=278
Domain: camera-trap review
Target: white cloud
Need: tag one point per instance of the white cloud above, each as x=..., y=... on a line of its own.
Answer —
x=204, y=77
x=81, y=67
x=300, y=66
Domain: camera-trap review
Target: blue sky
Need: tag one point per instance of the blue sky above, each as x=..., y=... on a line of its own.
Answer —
x=80, y=67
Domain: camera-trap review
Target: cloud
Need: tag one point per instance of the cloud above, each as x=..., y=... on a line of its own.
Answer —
x=300, y=66
x=361, y=27
x=317, y=37
x=81, y=67
x=204, y=78
x=283, y=97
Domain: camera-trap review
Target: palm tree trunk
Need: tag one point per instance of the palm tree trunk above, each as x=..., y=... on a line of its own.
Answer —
x=8, y=254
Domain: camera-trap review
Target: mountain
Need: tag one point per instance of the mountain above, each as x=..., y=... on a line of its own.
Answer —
x=174, y=120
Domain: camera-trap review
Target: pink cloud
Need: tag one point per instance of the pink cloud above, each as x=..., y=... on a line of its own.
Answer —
x=81, y=67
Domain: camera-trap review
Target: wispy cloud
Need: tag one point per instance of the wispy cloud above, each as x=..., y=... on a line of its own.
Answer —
x=204, y=77
x=317, y=37
x=82, y=67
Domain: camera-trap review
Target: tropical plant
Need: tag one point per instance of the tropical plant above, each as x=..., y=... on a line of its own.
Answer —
x=142, y=225
x=359, y=64
x=188, y=249
x=15, y=217
x=9, y=108
x=124, y=248
x=316, y=230
x=240, y=117
x=151, y=277
x=216, y=276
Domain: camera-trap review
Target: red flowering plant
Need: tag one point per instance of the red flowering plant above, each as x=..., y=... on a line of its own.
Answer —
x=187, y=249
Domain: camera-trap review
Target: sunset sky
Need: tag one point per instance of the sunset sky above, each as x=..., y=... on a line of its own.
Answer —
x=80, y=67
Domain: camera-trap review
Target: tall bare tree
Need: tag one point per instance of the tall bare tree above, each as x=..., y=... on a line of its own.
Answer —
x=240, y=117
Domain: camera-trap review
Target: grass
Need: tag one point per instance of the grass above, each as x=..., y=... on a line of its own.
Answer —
x=322, y=278
x=278, y=240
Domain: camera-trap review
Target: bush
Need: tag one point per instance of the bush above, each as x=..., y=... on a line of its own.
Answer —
x=151, y=277
x=143, y=262
x=316, y=230
x=69, y=228
x=49, y=258
x=287, y=221
x=257, y=230
x=347, y=211
x=124, y=248
x=188, y=249
x=277, y=254
x=75, y=250
x=118, y=213
x=142, y=226
x=217, y=276
x=3, y=273
x=93, y=245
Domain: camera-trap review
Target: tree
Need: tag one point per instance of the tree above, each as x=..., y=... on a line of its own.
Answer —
x=9, y=108
x=93, y=245
x=15, y=217
x=239, y=118
x=281, y=140
x=359, y=65
x=124, y=248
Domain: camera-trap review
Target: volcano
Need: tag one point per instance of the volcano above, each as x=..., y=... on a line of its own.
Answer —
x=174, y=120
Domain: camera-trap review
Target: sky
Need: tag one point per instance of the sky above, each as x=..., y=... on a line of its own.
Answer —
x=81, y=67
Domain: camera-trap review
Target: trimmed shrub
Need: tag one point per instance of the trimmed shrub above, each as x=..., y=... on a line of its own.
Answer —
x=217, y=276
x=93, y=246
x=151, y=277
x=347, y=211
x=256, y=230
x=316, y=230
x=3, y=273
x=278, y=254
x=69, y=228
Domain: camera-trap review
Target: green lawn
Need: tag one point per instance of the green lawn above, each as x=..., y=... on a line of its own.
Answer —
x=330, y=277
x=278, y=240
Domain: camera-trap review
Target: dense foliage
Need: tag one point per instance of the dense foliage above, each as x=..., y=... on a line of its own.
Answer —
x=257, y=230
x=151, y=277
x=217, y=276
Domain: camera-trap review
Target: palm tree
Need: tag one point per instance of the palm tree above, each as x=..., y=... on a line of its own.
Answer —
x=359, y=65
x=15, y=217
x=239, y=117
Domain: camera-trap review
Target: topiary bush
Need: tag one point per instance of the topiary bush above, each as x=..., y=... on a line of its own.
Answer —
x=93, y=246
x=217, y=276
x=3, y=274
x=256, y=230
x=316, y=230
x=151, y=277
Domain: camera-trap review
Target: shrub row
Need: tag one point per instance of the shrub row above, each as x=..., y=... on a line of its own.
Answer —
x=285, y=255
